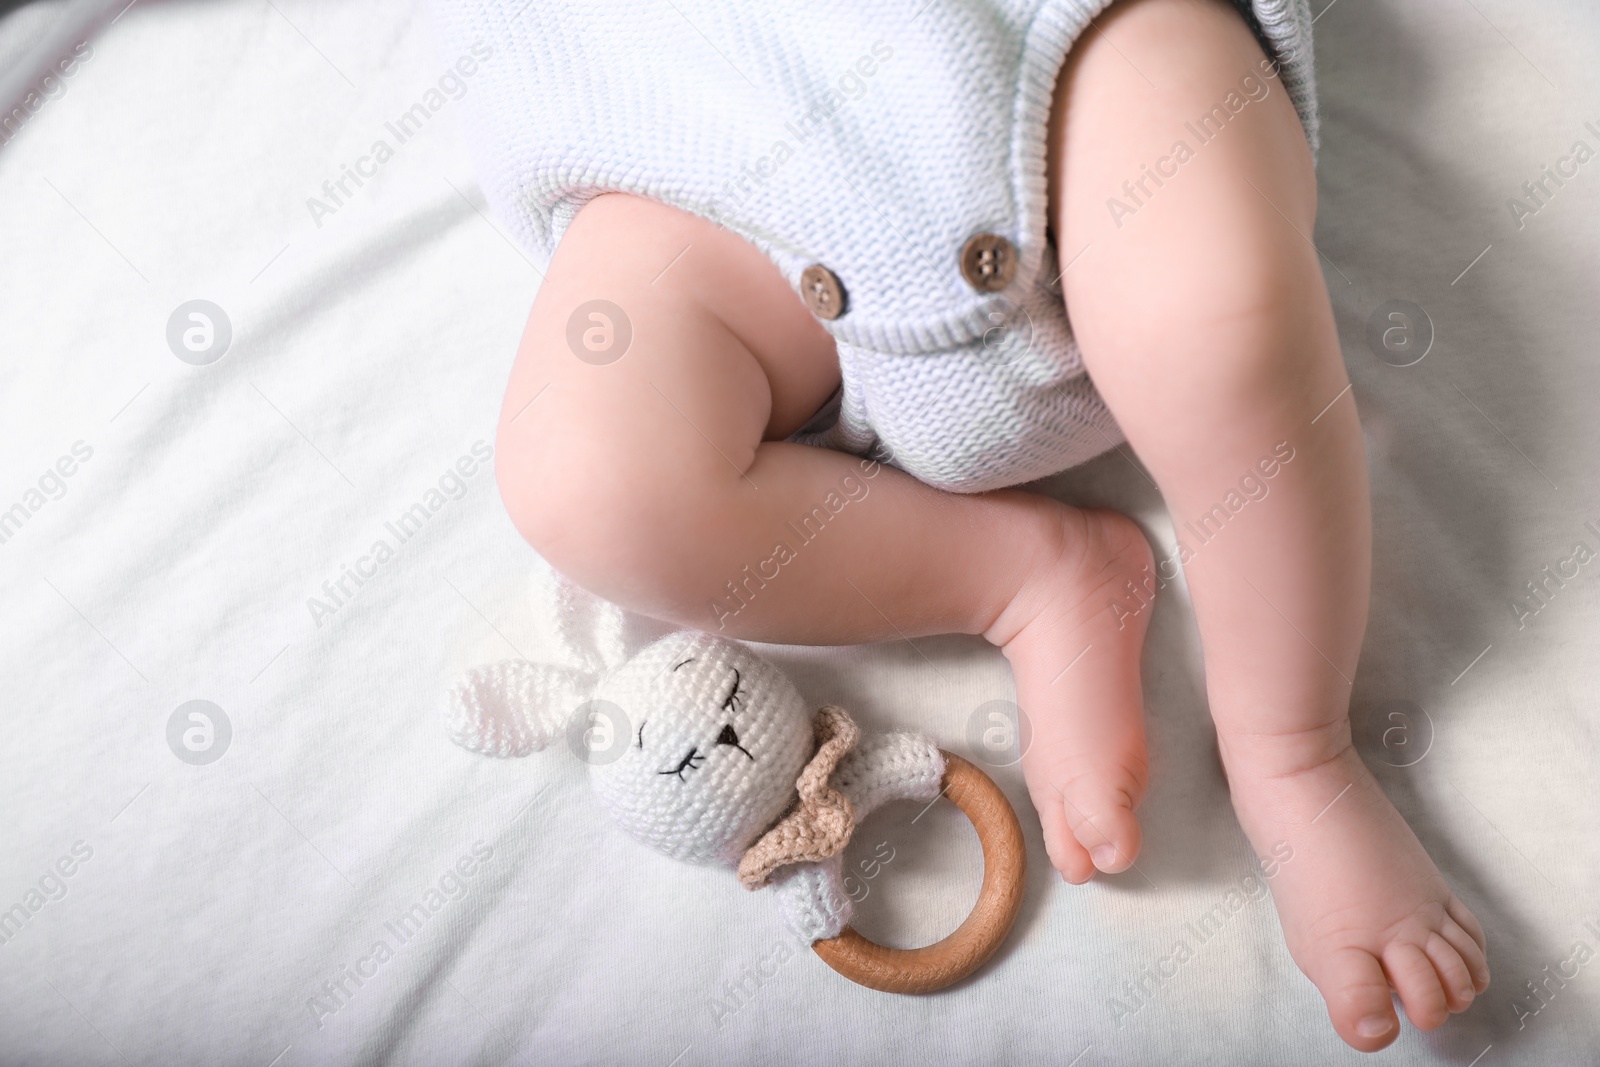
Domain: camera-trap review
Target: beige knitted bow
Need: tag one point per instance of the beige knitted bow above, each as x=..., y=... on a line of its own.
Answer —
x=820, y=824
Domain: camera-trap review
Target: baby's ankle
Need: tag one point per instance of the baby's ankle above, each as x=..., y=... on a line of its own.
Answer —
x=1086, y=563
x=1283, y=756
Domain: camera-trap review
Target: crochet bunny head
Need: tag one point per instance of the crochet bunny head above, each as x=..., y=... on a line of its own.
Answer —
x=718, y=737
x=702, y=740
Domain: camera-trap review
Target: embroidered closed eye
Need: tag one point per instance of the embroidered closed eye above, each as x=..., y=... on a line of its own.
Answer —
x=691, y=762
x=734, y=701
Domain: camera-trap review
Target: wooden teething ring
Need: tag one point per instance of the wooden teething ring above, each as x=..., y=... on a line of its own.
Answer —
x=946, y=962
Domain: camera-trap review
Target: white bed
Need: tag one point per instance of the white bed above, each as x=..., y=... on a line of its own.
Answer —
x=207, y=904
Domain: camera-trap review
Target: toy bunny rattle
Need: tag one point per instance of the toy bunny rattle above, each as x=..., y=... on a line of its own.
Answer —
x=711, y=756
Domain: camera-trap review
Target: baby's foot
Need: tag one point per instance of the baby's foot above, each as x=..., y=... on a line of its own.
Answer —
x=1362, y=906
x=1073, y=637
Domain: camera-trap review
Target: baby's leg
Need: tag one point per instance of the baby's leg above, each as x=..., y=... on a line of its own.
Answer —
x=661, y=481
x=1202, y=312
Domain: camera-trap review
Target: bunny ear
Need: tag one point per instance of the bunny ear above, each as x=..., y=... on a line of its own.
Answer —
x=594, y=628
x=513, y=707
x=594, y=635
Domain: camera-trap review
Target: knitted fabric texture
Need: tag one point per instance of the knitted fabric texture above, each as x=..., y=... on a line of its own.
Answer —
x=873, y=139
x=821, y=823
x=881, y=768
x=717, y=739
x=511, y=708
x=515, y=707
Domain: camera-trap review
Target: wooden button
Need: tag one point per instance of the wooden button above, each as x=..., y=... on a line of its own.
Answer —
x=822, y=292
x=988, y=262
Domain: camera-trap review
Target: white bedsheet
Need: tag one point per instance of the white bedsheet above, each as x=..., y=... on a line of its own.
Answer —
x=208, y=905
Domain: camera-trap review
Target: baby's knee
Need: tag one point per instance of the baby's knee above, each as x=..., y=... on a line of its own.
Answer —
x=567, y=504
x=1242, y=318
x=616, y=522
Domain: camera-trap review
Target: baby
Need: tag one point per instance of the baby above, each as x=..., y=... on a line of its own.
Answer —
x=794, y=254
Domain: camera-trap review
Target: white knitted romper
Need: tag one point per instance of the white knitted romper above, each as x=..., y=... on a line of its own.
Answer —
x=896, y=148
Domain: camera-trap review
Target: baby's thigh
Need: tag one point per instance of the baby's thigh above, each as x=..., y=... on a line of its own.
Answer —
x=659, y=352
x=1181, y=174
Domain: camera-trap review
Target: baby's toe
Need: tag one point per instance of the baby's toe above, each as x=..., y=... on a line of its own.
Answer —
x=1353, y=985
x=1103, y=822
x=1470, y=951
x=1453, y=973
x=1066, y=854
x=1413, y=976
